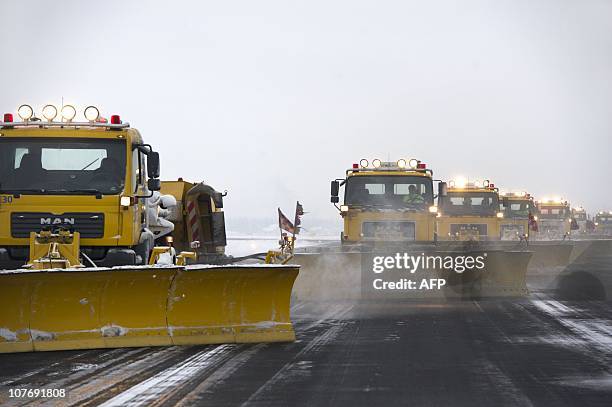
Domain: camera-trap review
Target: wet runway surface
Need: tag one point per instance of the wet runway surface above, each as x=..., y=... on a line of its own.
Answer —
x=534, y=351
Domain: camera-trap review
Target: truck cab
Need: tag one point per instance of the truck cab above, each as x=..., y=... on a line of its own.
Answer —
x=386, y=201
x=581, y=219
x=90, y=177
x=469, y=211
x=554, y=219
x=517, y=208
x=603, y=223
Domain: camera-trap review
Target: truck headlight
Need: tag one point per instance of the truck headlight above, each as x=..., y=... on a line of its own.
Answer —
x=413, y=162
x=363, y=163
x=126, y=201
x=376, y=163
x=401, y=163
x=500, y=215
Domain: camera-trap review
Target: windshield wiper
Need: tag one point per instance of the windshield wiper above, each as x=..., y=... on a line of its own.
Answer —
x=22, y=191
x=91, y=191
x=90, y=164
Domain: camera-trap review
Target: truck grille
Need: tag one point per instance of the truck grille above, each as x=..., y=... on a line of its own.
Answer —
x=512, y=232
x=388, y=230
x=468, y=229
x=89, y=225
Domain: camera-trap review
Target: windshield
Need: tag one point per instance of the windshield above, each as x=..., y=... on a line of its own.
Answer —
x=557, y=212
x=62, y=166
x=467, y=203
x=389, y=191
x=517, y=209
x=604, y=219
x=580, y=216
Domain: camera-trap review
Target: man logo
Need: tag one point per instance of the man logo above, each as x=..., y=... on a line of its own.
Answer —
x=57, y=221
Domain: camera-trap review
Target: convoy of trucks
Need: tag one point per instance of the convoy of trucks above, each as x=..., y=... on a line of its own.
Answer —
x=97, y=251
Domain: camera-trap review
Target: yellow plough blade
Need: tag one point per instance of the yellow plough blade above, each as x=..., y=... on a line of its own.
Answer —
x=144, y=306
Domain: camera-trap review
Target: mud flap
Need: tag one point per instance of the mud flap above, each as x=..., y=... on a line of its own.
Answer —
x=144, y=306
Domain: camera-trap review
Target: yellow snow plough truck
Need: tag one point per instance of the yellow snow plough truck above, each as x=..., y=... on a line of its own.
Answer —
x=552, y=241
x=520, y=222
x=80, y=215
x=390, y=248
x=603, y=224
x=554, y=219
x=518, y=216
x=473, y=217
x=582, y=222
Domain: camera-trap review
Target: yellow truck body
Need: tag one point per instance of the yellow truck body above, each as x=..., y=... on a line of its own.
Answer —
x=108, y=219
x=388, y=203
x=469, y=212
x=516, y=207
x=554, y=219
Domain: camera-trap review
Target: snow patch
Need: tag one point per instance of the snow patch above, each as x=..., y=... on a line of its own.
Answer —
x=41, y=335
x=113, y=330
x=82, y=366
x=265, y=324
x=8, y=335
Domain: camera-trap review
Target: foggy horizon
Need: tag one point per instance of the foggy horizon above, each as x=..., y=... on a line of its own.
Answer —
x=273, y=100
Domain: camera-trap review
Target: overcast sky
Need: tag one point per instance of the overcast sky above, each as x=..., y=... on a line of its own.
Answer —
x=273, y=99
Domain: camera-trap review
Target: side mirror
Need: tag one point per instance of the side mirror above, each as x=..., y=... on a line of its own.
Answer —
x=335, y=188
x=217, y=198
x=153, y=165
x=154, y=184
x=442, y=189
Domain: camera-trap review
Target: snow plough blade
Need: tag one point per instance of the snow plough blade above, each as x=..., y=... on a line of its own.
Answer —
x=340, y=273
x=43, y=310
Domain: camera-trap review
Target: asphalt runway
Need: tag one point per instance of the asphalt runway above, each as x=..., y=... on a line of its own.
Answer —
x=535, y=351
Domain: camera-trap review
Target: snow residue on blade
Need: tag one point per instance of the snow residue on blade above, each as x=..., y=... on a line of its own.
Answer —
x=113, y=330
x=265, y=324
x=146, y=392
x=41, y=335
x=8, y=335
